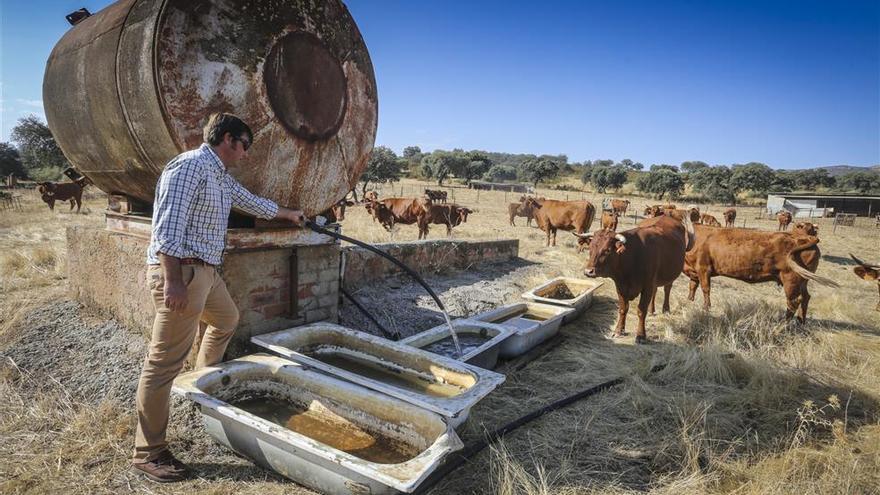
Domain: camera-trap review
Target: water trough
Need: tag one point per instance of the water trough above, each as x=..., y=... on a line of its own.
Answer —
x=531, y=324
x=575, y=293
x=480, y=341
x=328, y=434
x=437, y=383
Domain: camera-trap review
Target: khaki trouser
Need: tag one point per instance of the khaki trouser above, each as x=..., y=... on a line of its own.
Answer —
x=172, y=338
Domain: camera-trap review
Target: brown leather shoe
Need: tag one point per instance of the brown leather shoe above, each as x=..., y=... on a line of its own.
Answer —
x=163, y=469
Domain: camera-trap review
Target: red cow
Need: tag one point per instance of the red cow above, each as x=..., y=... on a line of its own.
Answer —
x=729, y=217
x=784, y=218
x=707, y=219
x=393, y=211
x=639, y=261
x=336, y=213
x=755, y=256
x=450, y=215
x=620, y=206
x=552, y=215
x=609, y=220
x=805, y=228
x=868, y=272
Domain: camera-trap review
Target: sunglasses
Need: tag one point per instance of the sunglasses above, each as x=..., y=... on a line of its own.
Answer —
x=244, y=143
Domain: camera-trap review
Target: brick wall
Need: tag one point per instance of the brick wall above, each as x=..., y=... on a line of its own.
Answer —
x=362, y=266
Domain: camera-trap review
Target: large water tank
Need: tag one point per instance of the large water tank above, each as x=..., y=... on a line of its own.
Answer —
x=128, y=88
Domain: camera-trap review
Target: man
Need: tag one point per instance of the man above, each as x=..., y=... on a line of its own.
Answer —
x=193, y=199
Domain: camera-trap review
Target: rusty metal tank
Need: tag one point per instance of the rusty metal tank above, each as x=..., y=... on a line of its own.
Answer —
x=130, y=87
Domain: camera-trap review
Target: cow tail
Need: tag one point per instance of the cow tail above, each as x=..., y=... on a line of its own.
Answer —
x=591, y=215
x=689, y=233
x=803, y=272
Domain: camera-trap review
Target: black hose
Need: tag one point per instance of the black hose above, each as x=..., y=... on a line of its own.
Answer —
x=456, y=459
x=388, y=335
x=321, y=230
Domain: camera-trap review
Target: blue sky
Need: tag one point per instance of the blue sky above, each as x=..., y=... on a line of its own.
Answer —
x=789, y=83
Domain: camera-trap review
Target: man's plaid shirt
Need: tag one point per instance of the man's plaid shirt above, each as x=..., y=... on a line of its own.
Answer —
x=191, y=209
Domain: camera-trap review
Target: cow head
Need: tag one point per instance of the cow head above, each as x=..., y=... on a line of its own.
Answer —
x=371, y=196
x=339, y=209
x=605, y=247
x=865, y=270
x=806, y=228
x=533, y=203
x=463, y=214
x=654, y=211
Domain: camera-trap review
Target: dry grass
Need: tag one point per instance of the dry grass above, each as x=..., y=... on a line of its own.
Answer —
x=747, y=403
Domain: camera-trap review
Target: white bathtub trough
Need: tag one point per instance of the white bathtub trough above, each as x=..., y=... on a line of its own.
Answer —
x=532, y=323
x=480, y=341
x=436, y=383
x=580, y=293
x=328, y=434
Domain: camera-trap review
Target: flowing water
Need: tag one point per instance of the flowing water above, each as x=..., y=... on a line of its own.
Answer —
x=452, y=332
x=376, y=371
x=330, y=429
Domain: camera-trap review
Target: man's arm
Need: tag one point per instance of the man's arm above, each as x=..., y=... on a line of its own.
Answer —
x=262, y=207
x=295, y=216
x=175, y=291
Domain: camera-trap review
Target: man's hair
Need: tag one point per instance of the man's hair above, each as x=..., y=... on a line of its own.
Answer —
x=221, y=123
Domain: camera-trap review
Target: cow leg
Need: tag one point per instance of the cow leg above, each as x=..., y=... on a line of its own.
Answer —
x=692, y=289
x=706, y=283
x=645, y=299
x=651, y=305
x=78, y=204
x=51, y=205
x=805, y=301
x=72, y=204
x=554, y=237
x=792, y=290
x=548, y=236
x=448, y=230
x=622, y=310
x=666, y=290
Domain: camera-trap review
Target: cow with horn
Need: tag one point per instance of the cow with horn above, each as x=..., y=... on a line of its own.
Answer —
x=867, y=272
x=639, y=260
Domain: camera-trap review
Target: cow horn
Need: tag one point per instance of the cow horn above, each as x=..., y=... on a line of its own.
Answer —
x=620, y=238
x=874, y=267
x=582, y=236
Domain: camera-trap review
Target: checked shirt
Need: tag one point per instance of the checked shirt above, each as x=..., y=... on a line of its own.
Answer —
x=190, y=212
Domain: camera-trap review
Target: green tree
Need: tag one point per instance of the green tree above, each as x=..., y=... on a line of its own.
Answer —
x=628, y=164
x=539, y=169
x=663, y=166
x=412, y=152
x=41, y=157
x=752, y=176
x=441, y=164
x=810, y=179
x=661, y=182
x=863, y=182
x=475, y=164
x=783, y=181
x=10, y=161
x=712, y=182
x=693, y=166
x=604, y=178
x=383, y=166
x=499, y=173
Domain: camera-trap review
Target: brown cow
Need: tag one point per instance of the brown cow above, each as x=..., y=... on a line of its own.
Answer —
x=336, y=213
x=63, y=191
x=805, y=228
x=393, y=211
x=784, y=218
x=620, y=206
x=755, y=256
x=519, y=210
x=552, y=215
x=868, y=272
x=729, y=217
x=437, y=195
x=371, y=196
x=609, y=220
x=450, y=215
x=707, y=219
x=639, y=261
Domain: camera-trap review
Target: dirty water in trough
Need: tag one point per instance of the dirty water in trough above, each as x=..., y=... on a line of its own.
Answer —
x=446, y=347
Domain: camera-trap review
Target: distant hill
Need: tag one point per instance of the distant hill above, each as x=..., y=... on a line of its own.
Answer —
x=835, y=170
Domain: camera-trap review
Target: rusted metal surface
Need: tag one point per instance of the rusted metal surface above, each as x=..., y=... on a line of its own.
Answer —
x=130, y=87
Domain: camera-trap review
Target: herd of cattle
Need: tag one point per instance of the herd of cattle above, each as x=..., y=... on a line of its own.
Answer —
x=669, y=241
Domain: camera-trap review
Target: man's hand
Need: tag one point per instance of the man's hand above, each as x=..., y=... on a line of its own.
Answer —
x=175, y=295
x=294, y=216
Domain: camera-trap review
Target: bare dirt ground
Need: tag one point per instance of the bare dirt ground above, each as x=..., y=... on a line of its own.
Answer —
x=747, y=403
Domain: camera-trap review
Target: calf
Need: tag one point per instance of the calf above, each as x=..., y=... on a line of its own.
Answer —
x=620, y=206
x=707, y=219
x=755, y=256
x=639, y=260
x=450, y=215
x=657, y=210
x=868, y=272
x=519, y=210
x=729, y=217
x=62, y=191
x=784, y=219
x=336, y=213
x=609, y=220
x=552, y=215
